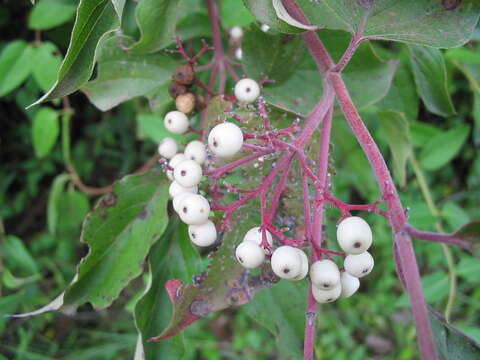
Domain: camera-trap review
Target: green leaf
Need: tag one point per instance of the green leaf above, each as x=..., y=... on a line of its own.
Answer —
x=470, y=231
x=156, y=20
x=17, y=257
x=422, y=133
x=276, y=57
x=469, y=268
x=233, y=13
x=15, y=65
x=450, y=342
x=45, y=130
x=53, y=200
x=46, y=65
x=172, y=256
x=265, y=13
x=120, y=231
x=441, y=149
x=402, y=96
x=430, y=75
x=396, y=129
x=123, y=76
x=424, y=22
x=73, y=207
x=48, y=14
x=95, y=20
x=455, y=216
x=300, y=87
x=281, y=309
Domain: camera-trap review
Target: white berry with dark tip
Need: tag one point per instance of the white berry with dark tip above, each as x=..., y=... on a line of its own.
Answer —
x=174, y=161
x=324, y=274
x=225, y=139
x=168, y=148
x=255, y=235
x=350, y=284
x=195, y=150
x=175, y=189
x=359, y=265
x=188, y=173
x=304, y=268
x=322, y=296
x=194, y=209
x=178, y=199
x=249, y=254
x=286, y=262
x=354, y=235
x=204, y=234
x=247, y=90
x=176, y=122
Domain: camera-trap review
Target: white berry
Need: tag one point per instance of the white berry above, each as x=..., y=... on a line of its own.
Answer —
x=174, y=161
x=188, y=173
x=236, y=32
x=194, y=209
x=325, y=296
x=265, y=27
x=195, y=150
x=255, y=235
x=225, y=139
x=350, y=284
x=359, y=265
x=246, y=90
x=175, y=189
x=176, y=122
x=324, y=274
x=178, y=199
x=204, y=234
x=249, y=254
x=286, y=262
x=238, y=53
x=168, y=148
x=354, y=235
x=304, y=268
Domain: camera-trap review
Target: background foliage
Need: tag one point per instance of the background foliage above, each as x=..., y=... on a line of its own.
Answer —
x=422, y=105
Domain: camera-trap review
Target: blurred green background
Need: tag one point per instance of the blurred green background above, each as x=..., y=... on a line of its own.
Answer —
x=41, y=211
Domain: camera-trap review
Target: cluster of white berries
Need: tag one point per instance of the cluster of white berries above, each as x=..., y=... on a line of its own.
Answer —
x=185, y=169
x=328, y=282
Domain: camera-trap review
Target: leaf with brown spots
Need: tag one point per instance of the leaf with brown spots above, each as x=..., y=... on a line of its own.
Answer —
x=119, y=232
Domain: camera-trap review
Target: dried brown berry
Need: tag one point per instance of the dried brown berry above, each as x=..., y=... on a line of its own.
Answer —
x=200, y=102
x=184, y=75
x=176, y=89
x=185, y=103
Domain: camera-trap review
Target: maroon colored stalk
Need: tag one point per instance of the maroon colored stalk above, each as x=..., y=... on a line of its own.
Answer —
x=397, y=216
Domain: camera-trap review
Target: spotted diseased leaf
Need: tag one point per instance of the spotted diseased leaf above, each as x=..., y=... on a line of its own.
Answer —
x=225, y=284
x=173, y=255
x=119, y=232
x=434, y=23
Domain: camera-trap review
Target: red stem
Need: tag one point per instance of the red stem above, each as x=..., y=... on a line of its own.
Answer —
x=450, y=239
x=317, y=233
x=397, y=216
